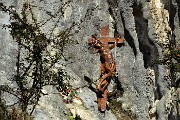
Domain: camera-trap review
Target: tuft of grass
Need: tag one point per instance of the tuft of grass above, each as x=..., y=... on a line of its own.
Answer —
x=116, y=108
x=12, y=114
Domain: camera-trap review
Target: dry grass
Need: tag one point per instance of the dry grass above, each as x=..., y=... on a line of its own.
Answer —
x=116, y=108
x=13, y=114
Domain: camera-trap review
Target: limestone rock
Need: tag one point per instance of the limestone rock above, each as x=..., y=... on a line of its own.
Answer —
x=147, y=26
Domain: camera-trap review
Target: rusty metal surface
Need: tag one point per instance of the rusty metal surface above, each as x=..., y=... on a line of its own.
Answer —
x=104, y=41
x=104, y=37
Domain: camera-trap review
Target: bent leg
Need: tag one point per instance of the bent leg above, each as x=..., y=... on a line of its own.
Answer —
x=103, y=84
x=110, y=69
x=105, y=79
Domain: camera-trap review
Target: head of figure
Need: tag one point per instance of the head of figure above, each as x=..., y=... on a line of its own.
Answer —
x=117, y=36
x=93, y=40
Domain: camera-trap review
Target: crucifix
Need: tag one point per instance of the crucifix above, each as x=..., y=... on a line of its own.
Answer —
x=103, y=45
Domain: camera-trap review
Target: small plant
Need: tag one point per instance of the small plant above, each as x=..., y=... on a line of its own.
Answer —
x=12, y=114
x=171, y=58
x=38, y=57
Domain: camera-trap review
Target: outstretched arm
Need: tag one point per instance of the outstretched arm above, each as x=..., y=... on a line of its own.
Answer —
x=114, y=45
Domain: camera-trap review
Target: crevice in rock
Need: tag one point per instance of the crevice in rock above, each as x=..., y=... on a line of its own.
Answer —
x=178, y=3
x=128, y=37
x=177, y=108
x=157, y=93
x=147, y=47
x=156, y=116
x=172, y=13
x=166, y=4
x=111, y=12
x=171, y=116
x=113, y=3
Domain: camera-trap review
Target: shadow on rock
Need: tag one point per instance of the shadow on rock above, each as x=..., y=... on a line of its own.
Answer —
x=87, y=79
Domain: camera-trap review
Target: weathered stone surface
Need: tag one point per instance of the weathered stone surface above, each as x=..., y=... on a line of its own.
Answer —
x=146, y=26
x=51, y=106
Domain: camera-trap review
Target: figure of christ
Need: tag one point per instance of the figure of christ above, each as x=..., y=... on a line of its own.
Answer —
x=107, y=67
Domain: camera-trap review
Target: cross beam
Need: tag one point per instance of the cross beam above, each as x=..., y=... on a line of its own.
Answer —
x=104, y=36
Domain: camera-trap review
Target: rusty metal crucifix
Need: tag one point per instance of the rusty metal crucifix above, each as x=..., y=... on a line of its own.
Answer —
x=103, y=45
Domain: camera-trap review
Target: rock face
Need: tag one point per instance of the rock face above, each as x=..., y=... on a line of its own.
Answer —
x=147, y=26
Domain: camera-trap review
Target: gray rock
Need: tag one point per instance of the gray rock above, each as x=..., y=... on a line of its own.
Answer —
x=50, y=106
x=148, y=93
